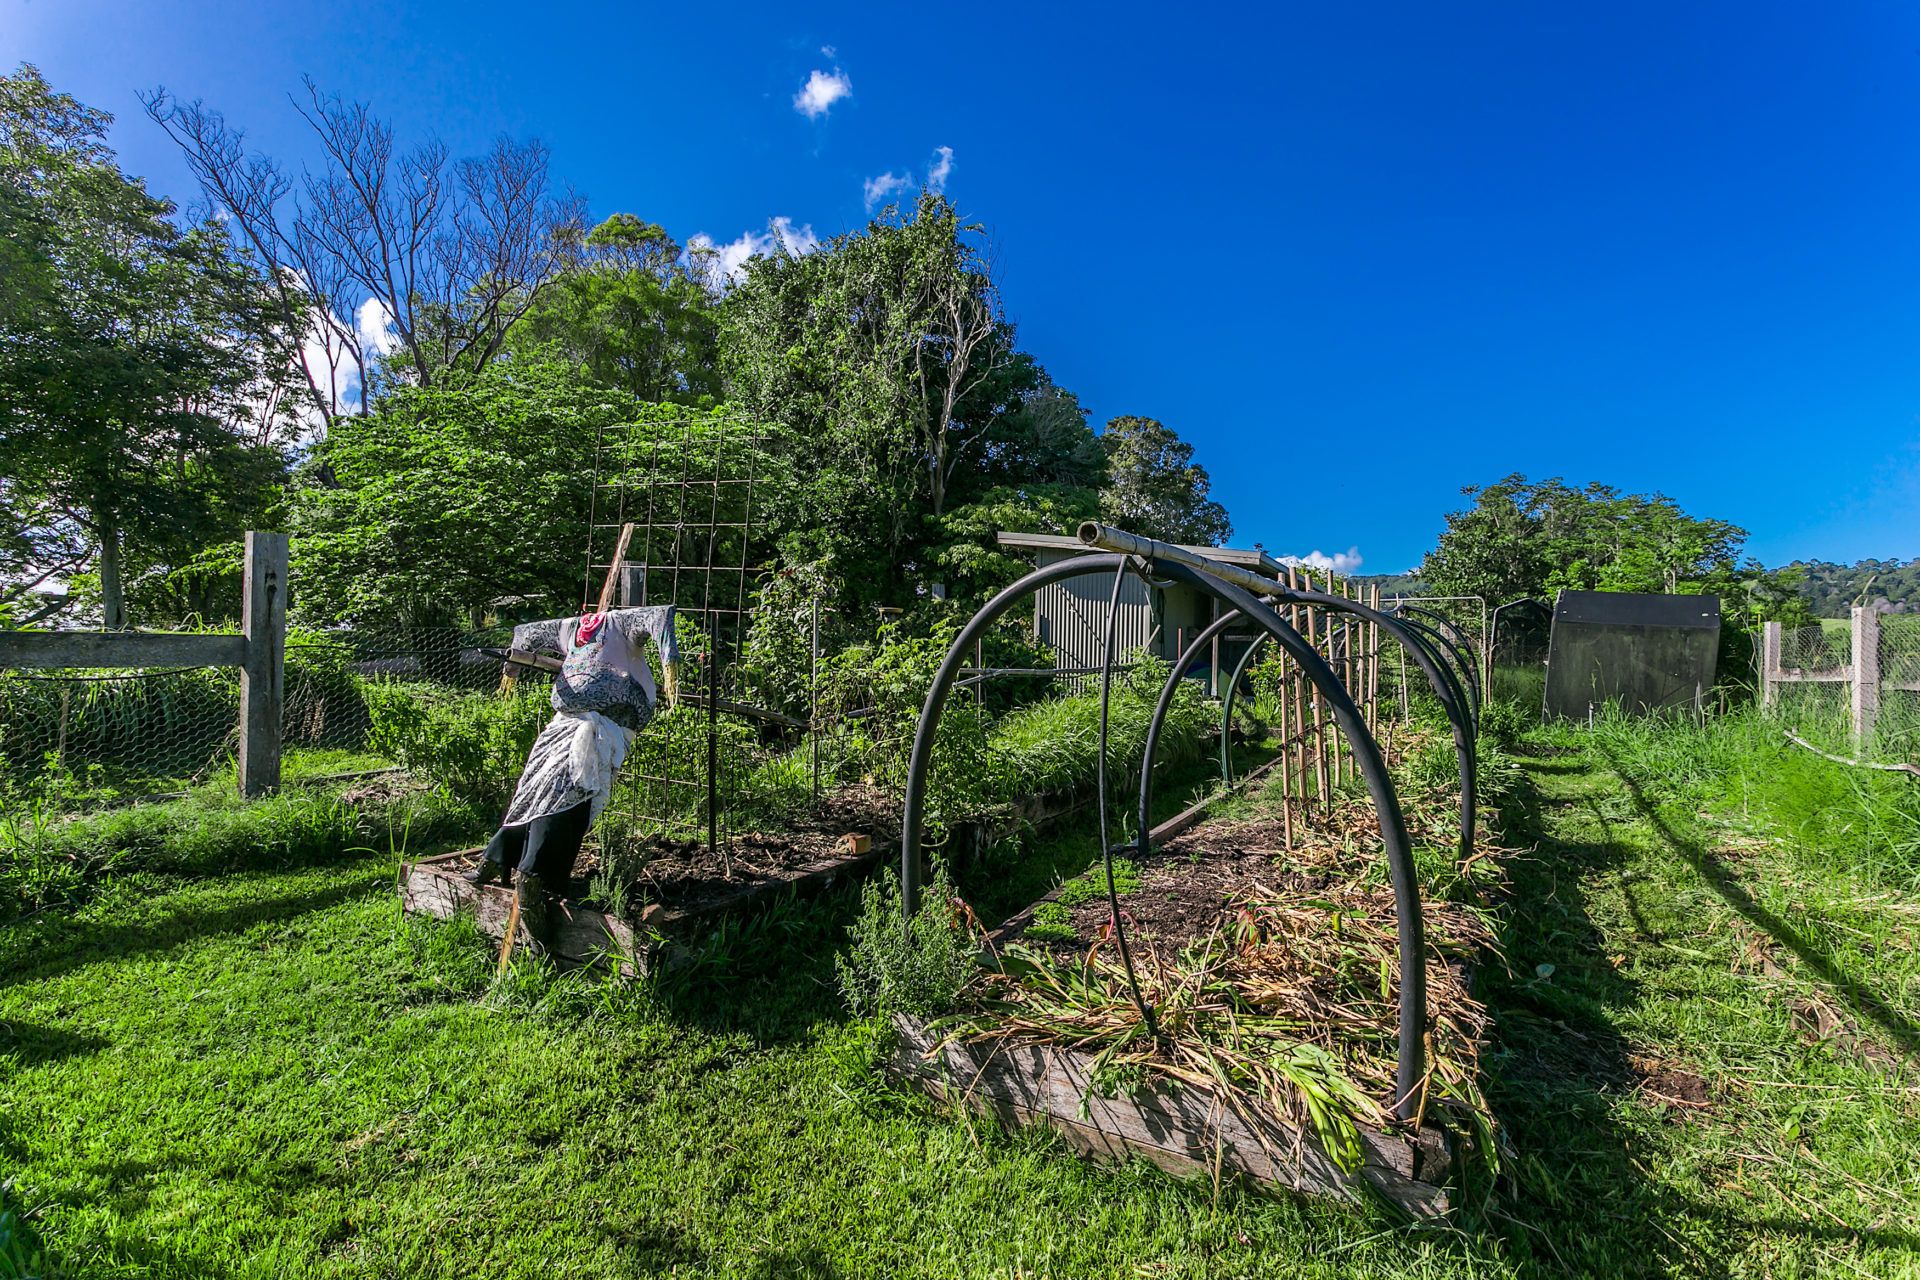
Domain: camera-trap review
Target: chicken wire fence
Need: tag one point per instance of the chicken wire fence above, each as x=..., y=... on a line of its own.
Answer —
x=1810, y=685
x=94, y=737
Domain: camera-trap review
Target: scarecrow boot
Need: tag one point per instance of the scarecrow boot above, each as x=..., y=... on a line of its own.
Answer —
x=486, y=872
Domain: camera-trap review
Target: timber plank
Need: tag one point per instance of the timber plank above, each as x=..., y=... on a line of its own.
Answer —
x=26, y=650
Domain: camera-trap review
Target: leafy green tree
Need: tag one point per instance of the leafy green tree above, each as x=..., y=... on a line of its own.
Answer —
x=631, y=313
x=965, y=553
x=1155, y=488
x=446, y=501
x=1531, y=538
x=869, y=350
x=140, y=363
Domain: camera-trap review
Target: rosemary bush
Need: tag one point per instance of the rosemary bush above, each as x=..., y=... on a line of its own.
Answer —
x=915, y=966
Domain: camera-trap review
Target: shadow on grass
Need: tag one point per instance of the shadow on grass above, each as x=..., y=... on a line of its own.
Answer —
x=52, y=946
x=1866, y=1002
x=31, y=1046
x=1574, y=1200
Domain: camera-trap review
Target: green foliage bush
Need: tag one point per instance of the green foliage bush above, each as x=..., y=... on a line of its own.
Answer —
x=48, y=857
x=473, y=744
x=897, y=965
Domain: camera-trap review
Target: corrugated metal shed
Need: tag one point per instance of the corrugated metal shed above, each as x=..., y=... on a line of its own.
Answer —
x=1070, y=615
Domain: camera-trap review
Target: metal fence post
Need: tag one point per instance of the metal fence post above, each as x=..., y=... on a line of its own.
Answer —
x=263, y=623
x=1866, y=676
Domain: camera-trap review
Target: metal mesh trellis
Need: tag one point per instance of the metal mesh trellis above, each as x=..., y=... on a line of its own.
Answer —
x=696, y=488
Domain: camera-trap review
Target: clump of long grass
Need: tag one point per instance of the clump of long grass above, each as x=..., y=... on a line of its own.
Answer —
x=1741, y=765
x=50, y=858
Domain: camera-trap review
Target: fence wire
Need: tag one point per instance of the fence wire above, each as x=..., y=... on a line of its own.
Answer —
x=97, y=737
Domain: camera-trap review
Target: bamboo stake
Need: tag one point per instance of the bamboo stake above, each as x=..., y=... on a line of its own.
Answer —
x=1373, y=662
x=1283, y=692
x=1319, y=720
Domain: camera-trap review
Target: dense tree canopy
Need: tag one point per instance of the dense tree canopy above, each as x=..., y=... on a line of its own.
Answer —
x=441, y=344
x=446, y=502
x=1830, y=590
x=631, y=315
x=140, y=363
x=1154, y=487
x=1531, y=538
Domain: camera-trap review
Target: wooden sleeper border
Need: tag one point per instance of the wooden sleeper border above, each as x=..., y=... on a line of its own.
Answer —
x=582, y=935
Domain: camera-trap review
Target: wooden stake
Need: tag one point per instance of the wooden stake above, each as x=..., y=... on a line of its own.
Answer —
x=513, y=932
x=613, y=570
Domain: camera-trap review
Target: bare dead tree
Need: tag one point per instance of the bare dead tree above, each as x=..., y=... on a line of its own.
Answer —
x=447, y=255
x=955, y=353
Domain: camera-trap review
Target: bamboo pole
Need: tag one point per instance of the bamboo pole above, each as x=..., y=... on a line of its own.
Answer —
x=1319, y=719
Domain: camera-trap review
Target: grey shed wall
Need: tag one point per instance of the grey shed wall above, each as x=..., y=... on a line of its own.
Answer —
x=1071, y=614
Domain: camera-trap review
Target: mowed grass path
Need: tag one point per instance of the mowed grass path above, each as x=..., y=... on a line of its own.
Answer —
x=1708, y=1054
x=275, y=1075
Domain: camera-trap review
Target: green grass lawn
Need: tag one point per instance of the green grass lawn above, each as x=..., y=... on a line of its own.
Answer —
x=272, y=1073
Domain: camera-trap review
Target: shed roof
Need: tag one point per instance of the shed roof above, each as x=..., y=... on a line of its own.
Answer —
x=1258, y=561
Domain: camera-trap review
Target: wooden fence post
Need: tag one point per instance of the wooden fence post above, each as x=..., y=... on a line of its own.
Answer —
x=263, y=622
x=1769, y=661
x=1866, y=676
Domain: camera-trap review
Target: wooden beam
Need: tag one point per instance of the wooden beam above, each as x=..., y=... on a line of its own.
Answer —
x=1769, y=662
x=263, y=621
x=29, y=650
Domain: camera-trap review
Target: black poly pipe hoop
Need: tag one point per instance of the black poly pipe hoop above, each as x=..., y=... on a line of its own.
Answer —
x=1455, y=644
x=1366, y=753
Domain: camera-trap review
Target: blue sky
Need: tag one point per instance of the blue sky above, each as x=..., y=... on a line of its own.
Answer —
x=1359, y=255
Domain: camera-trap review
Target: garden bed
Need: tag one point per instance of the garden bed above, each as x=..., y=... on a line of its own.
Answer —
x=1275, y=967
x=681, y=887
x=586, y=935
x=1185, y=1132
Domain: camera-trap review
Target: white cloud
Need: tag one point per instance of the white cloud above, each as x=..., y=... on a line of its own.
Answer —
x=887, y=184
x=821, y=91
x=878, y=189
x=1342, y=562
x=373, y=326
x=723, y=264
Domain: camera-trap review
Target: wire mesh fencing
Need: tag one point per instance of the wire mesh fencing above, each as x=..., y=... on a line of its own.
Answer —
x=1897, y=720
x=1847, y=684
x=88, y=738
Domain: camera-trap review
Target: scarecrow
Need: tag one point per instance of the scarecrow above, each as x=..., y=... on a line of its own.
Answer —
x=603, y=693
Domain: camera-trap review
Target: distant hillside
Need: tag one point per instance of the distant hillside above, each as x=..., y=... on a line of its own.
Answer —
x=1393, y=584
x=1830, y=589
